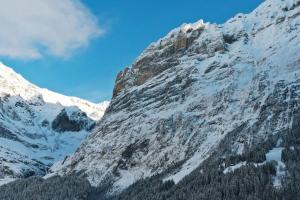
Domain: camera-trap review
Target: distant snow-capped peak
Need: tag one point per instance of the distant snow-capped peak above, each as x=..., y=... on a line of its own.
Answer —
x=39, y=127
x=14, y=84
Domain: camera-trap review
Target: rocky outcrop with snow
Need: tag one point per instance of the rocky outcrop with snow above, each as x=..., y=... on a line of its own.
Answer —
x=39, y=127
x=189, y=90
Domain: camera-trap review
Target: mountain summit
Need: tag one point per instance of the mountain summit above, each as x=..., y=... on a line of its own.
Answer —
x=39, y=127
x=202, y=90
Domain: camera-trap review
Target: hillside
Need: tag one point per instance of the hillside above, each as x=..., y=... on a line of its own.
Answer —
x=39, y=127
x=189, y=91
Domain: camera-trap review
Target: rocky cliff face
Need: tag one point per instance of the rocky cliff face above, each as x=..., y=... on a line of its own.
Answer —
x=191, y=89
x=39, y=127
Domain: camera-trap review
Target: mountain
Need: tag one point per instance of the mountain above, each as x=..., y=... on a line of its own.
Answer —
x=202, y=90
x=39, y=127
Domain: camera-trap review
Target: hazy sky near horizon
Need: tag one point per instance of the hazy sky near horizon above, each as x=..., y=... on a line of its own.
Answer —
x=77, y=47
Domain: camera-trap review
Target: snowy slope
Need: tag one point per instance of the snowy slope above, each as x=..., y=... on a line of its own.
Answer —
x=15, y=85
x=39, y=127
x=189, y=90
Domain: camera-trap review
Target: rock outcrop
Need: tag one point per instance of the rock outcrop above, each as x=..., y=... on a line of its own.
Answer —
x=191, y=89
x=39, y=127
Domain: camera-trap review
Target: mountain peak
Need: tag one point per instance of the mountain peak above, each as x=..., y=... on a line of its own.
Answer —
x=191, y=90
x=38, y=126
x=9, y=75
x=14, y=84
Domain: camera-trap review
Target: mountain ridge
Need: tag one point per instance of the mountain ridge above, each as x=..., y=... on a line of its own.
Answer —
x=38, y=126
x=188, y=91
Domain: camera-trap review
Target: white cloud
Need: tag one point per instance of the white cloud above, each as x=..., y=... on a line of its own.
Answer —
x=31, y=28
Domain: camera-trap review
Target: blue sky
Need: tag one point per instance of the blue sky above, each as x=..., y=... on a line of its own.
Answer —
x=128, y=27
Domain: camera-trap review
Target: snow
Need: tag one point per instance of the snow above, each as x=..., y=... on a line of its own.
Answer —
x=193, y=26
x=234, y=167
x=128, y=178
x=185, y=28
x=240, y=148
x=6, y=180
x=15, y=85
x=216, y=103
x=275, y=155
x=192, y=163
x=24, y=108
x=187, y=168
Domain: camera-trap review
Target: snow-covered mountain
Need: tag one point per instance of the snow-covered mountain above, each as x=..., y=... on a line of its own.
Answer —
x=191, y=89
x=39, y=127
